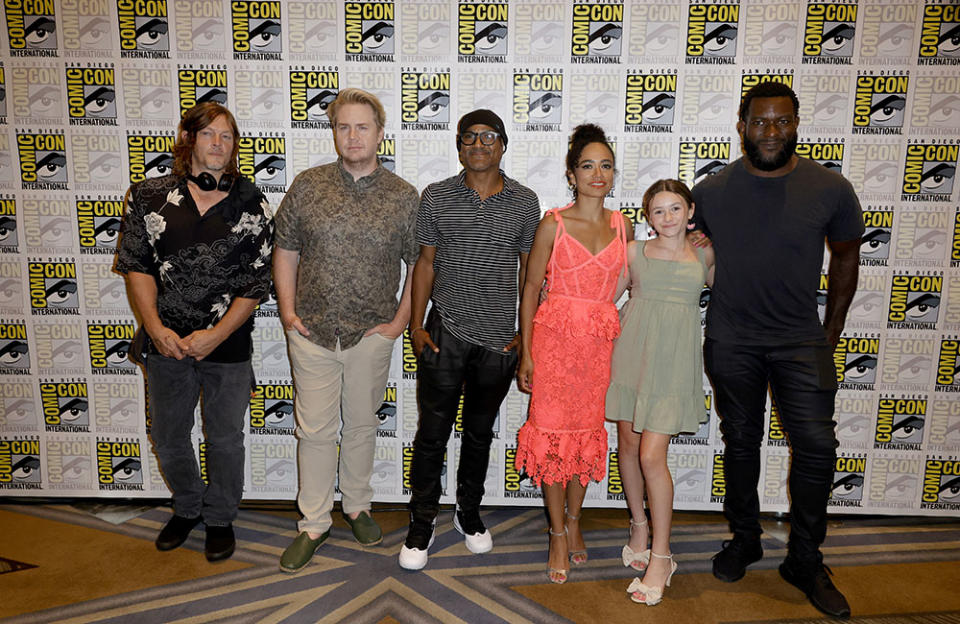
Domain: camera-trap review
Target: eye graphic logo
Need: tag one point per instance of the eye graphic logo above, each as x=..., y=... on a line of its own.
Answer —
x=273, y=464
x=701, y=159
x=537, y=101
x=149, y=156
x=69, y=462
x=256, y=30
x=311, y=92
x=948, y=366
x=119, y=464
x=848, y=480
x=20, y=464
x=144, y=29
x=929, y=172
x=271, y=409
x=941, y=484
x=108, y=345
x=880, y=103
x=91, y=96
x=895, y=481
x=263, y=160
x=43, y=161
x=914, y=301
x=53, y=288
x=14, y=349
x=516, y=484
x=387, y=413
x=900, y=423
x=597, y=33
x=770, y=32
x=9, y=243
x=650, y=102
x=200, y=27
x=829, y=32
x=856, y=361
x=887, y=33
x=368, y=31
x=98, y=224
x=66, y=406
x=940, y=34
x=202, y=84
x=482, y=32
x=712, y=33
x=425, y=101
x=875, y=244
x=830, y=155
x=31, y=28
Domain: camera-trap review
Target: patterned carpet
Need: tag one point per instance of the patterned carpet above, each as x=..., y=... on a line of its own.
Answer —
x=60, y=564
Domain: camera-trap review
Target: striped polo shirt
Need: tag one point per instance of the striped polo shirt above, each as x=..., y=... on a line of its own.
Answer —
x=478, y=245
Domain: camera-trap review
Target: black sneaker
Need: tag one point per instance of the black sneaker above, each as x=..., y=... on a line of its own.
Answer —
x=220, y=542
x=175, y=532
x=419, y=535
x=813, y=579
x=730, y=564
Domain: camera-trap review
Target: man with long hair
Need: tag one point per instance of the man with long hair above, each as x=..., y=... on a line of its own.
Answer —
x=196, y=252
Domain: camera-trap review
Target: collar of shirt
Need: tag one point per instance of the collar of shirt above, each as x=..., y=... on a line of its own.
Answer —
x=240, y=195
x=363, y=183
x=509, y=185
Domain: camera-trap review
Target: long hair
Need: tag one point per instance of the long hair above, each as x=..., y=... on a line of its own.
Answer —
x=671, y=186
x=193, y=121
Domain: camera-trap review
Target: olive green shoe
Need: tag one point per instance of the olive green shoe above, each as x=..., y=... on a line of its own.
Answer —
x=365, y=529
x=298, y=554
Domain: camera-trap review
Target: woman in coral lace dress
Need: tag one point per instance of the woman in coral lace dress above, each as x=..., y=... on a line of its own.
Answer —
x=567, y=343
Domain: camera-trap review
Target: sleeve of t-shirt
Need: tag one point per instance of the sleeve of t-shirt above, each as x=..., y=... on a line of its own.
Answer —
x=699, y=200
x=531, y=219
x=286, y=222
x=410, y=250
x=254, y=279
x=426, y=224
x=847, y=221
x=134, y=253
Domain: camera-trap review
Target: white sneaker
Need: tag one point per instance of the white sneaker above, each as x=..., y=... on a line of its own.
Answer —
x=477, y=543
x=414, y=558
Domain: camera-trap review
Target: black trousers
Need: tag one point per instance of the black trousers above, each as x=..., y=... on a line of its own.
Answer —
x=484, y=377
x=803, y=382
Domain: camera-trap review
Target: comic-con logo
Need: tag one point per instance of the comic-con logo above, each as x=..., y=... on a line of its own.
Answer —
x=699, y=159
x=53, y=288
x=387, y=153
x=712, y=33
x=109, y=344
x=31, y=27
x=537, y=101
x=425, y=100
x=921, y=238
x=929, y=172
x=691, y=474
x=776, y=436
x=200, y=29
x=14, y=349
x=939, y=34
x=649, y=102
x=718, y=479
x=954, y=247
x=103, y=290
x=826, y=153
x=482, y=32
x=829, y=32
x=944, y=423
x=149, y=156
x=147, y=95
x=96, y=161
x=256, y=30
x=387, y=412
x=900, y=423
x=770, y=32
x=273, y=464
x=941, y=484
x=9, y=242
x=700, y=437
x=409, y=363
x=20, y=464
x=597, y=33
x=69, y=463
x=91, y=96
x=98, y=224
x=271, y=409
x=43, y=161
x=880, y=103
x=312, y=29
x=875, y=244
x=263, y=159
x=406, y=461
x=750, y=80
x=776, y=468
x=368, y=31
x=516, y=484
x=119, y=464
x=855, y=358
x=848, y=479
x=948, y=366
x=117, y=407
x=614, y=482
x=3, y=96
x=201, y=84
x=144, y=29
x=66, y=406
x=914, y=301
x=894, y=481
x=311, y=93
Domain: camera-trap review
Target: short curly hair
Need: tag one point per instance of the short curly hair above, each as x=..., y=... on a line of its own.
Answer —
x=768, y=89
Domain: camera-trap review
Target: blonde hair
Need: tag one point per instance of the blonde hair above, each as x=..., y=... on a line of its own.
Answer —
x=357, y=96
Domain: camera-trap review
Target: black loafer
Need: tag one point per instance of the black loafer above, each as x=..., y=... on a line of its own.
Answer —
x=814, y=581
x=220, y=543
x=175, y=532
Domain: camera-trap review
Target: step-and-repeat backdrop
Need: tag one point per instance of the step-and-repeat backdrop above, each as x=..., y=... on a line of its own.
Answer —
x=91, y=92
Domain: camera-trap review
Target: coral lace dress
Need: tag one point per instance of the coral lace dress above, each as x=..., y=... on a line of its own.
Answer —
x=571, y=346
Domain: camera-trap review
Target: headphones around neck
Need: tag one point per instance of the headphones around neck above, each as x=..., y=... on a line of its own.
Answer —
x=207, y=182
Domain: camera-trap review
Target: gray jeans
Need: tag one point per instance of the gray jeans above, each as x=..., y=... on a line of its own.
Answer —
x=174, y=388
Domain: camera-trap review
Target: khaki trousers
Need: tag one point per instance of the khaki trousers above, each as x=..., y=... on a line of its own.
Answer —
x=330, y=386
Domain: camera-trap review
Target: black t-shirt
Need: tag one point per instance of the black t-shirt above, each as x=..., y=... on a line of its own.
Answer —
x=768, y=235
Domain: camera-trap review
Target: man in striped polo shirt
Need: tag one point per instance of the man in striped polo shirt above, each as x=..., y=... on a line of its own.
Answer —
x=475, y=230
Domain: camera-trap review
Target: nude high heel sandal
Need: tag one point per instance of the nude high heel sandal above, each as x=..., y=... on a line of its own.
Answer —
x=577, y=557
x=556, y=576
x=644, y=594
x=636, y=560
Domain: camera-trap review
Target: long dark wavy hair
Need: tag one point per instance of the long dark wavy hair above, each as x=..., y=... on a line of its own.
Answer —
x=193, y=121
